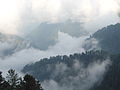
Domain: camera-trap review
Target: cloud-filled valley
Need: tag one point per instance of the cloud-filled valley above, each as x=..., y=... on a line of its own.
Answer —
x=66, y=44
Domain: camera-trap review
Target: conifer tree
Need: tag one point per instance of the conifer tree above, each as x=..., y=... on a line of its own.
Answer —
x=13, y=79
x=30, y=83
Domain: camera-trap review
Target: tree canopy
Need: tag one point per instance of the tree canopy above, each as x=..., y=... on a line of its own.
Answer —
x=14, y=82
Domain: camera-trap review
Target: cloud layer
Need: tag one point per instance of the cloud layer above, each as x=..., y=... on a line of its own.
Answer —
x=65, y=45
x=20, y=16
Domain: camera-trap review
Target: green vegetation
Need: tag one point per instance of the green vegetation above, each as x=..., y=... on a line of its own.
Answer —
x=44, y=69
x=14, y=82
x=108, y=38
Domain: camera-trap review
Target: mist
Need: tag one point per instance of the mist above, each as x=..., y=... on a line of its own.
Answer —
x=21, y=16
x=83, y=80
x=65, y=45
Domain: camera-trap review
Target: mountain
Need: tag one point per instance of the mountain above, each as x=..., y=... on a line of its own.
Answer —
x=108, y=39
x=92, y=70
x=46, y=34
x=76, y=70
x=111, y=80
x=9, y=44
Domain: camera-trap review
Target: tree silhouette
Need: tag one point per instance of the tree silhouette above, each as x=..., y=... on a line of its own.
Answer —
x=13, y=79
x=30, y=83
x=14, y=82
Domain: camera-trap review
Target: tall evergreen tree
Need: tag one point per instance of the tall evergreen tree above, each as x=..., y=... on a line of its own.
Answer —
x=4, y=85
x=14, y=82
x=13, y=79
x=30, y=83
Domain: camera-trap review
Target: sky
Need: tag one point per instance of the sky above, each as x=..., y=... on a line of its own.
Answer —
x=19, y=16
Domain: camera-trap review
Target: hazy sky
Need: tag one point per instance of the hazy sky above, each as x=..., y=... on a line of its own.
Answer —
x=15, y=15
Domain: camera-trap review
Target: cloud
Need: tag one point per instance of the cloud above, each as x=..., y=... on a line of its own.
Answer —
x=118, y=2
x=65, y=45
x=83, y=11
x=10, y=44
x=91, y=44
x=84, y=79
x=22, y=16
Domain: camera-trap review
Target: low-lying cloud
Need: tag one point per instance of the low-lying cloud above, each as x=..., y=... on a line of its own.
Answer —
x=83, y=80
x=65, y=45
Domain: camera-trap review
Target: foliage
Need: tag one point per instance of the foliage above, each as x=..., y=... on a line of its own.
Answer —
x=14, y=82
x=108, y=38
x=45, y=68
x=110, y=81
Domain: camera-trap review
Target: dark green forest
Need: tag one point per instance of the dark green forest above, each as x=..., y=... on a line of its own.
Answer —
x=111, y=79
x=41, y=72
x=108, y=39
x=13, y=82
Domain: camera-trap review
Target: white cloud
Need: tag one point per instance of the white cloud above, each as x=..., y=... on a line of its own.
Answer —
x=20, y=15
x=83, y=80
x=65, y=45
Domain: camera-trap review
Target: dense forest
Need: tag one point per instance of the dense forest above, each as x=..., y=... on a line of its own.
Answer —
x=44, y=68
x=111, y=79
x=69, y=71
x=14, y=82
x=108, y=39
x=63, y=69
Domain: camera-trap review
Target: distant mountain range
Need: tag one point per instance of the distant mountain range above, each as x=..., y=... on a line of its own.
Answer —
x=46, y=34
x=75, y=71
x=10, y=44
x=108, y=38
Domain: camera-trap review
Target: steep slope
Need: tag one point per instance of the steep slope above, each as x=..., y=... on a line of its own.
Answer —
x=111, y=80
x=78, y=71
x=108, y=39
x=75, y=71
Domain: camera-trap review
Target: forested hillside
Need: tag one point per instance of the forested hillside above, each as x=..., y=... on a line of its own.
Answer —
x=46, y=68
x=71, y=70
x=111, y=80
x=108, y=38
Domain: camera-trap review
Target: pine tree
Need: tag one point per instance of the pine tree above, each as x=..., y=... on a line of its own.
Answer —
x=13, y=79
x=31, y=84
x=14, y=82
x=4, y=85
